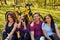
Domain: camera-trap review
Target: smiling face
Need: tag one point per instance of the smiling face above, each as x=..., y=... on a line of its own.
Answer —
x=10, y=18
x=48, y=19
x=36, y=17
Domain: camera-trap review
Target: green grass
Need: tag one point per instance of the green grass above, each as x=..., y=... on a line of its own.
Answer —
x=43, y=12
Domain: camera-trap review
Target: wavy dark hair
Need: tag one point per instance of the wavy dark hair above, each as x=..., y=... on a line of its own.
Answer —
x=52, y=22
x=12, y=16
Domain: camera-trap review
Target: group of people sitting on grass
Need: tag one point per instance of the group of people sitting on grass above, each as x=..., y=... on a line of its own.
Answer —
x=37, y=29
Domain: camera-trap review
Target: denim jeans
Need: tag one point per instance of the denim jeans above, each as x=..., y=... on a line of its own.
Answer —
x=4, y=35
x=37, y=37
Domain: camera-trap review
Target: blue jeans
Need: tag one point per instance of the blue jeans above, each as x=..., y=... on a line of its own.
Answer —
x=4, y=35
x=37, y=37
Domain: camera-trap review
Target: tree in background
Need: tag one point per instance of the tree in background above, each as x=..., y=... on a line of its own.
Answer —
x=16, y=2
x=19, y=1
x=45, y=3
x=1, y=2
x=5, y=2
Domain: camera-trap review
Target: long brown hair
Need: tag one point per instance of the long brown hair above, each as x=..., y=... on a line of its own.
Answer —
x=12, y=16
x=52, y=22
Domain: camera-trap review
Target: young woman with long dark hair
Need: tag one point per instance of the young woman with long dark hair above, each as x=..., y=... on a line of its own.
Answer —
x=10, y=27
x=23, y=28
x=49, y=27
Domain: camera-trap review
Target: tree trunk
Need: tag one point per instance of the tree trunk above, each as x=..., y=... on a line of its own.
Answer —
x=5, y=1
x=1, y=2
x=16, y=2
x=22, y=1
x=45, y=3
